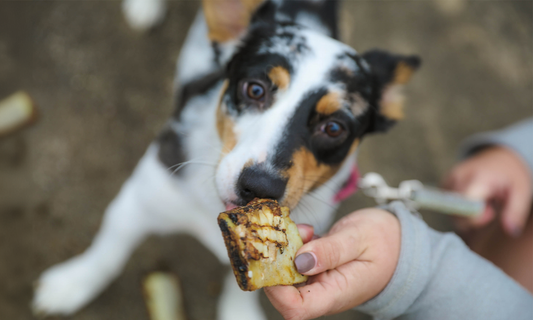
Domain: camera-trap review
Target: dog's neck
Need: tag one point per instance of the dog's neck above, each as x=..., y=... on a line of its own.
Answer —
x=349, y=187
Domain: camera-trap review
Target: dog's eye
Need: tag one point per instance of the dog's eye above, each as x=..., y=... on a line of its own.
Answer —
x=254, y=90
x=330, y=134
x=332, y=129
x=253, y=94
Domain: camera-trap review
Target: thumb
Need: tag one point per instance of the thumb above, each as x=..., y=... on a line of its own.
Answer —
x=329, y=252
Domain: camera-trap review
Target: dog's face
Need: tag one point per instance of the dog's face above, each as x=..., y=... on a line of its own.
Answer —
x=294, y=106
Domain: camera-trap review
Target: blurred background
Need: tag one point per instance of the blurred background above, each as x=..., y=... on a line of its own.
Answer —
x=104, y=91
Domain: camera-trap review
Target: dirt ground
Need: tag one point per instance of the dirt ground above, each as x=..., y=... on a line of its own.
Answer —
x=104, y=91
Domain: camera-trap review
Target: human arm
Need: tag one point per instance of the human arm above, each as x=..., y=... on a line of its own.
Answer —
x=436, y=276
x=498, y=168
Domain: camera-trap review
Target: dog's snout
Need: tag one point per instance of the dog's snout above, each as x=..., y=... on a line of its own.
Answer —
x=255, y=182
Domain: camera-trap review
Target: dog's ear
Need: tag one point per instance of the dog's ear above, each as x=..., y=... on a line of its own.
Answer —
x=390, y=72
x=228, y=19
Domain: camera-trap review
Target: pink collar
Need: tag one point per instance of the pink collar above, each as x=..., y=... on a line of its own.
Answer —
x=350, y=186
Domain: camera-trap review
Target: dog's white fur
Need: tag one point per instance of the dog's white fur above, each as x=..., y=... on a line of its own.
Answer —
x=155, y=200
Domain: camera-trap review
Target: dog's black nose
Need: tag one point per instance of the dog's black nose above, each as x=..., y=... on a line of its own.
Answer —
x=255, y=182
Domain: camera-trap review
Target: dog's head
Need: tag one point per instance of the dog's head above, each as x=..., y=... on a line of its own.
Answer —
x=295, y=105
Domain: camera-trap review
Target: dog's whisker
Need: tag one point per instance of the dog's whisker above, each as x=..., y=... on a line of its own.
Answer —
x=207, y=163
x=179, y=166
x=321, y=200
x=310, y=210
x=325, y=183
x=213, y=177
x=174, y=166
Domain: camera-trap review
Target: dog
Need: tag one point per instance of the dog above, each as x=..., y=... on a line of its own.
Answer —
x=269, y=105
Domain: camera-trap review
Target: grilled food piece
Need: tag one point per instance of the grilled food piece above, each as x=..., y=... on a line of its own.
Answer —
x=262, y=241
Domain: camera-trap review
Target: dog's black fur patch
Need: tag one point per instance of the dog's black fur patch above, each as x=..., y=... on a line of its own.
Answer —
x=325, y=10
x=302, y=126
x=170, y=148
x=196, y=88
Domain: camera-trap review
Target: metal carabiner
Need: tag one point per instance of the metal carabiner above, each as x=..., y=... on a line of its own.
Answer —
x=417, y=196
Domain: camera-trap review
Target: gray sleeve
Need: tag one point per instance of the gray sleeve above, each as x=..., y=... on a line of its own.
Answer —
x=518, y=138
x=438, y=277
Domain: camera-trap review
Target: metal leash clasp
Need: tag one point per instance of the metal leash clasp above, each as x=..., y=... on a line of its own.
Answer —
x=417, y=196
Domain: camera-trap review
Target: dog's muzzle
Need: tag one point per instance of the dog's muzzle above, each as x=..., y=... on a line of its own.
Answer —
x=257, y=182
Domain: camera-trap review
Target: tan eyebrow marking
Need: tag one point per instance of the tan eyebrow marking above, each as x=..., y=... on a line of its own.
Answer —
x=329, y=103
x=280, y=77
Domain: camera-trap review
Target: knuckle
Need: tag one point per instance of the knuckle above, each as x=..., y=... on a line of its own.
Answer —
x=330, y=254
x=341, y=224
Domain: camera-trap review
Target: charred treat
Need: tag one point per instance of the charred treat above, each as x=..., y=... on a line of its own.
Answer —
x=262, y=241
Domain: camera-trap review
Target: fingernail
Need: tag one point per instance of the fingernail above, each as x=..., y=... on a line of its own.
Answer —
x=305, y=262
x=315, y=237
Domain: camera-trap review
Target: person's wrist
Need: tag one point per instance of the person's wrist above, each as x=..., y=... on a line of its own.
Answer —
x=384, y=247
x=393, y=234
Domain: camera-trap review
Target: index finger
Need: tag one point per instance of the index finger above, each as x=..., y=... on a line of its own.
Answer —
x=307, y=302
x=306, y=232
x=330, y=292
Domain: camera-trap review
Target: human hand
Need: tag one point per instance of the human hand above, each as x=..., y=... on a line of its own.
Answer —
x=499, y=177
x=350, y=265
